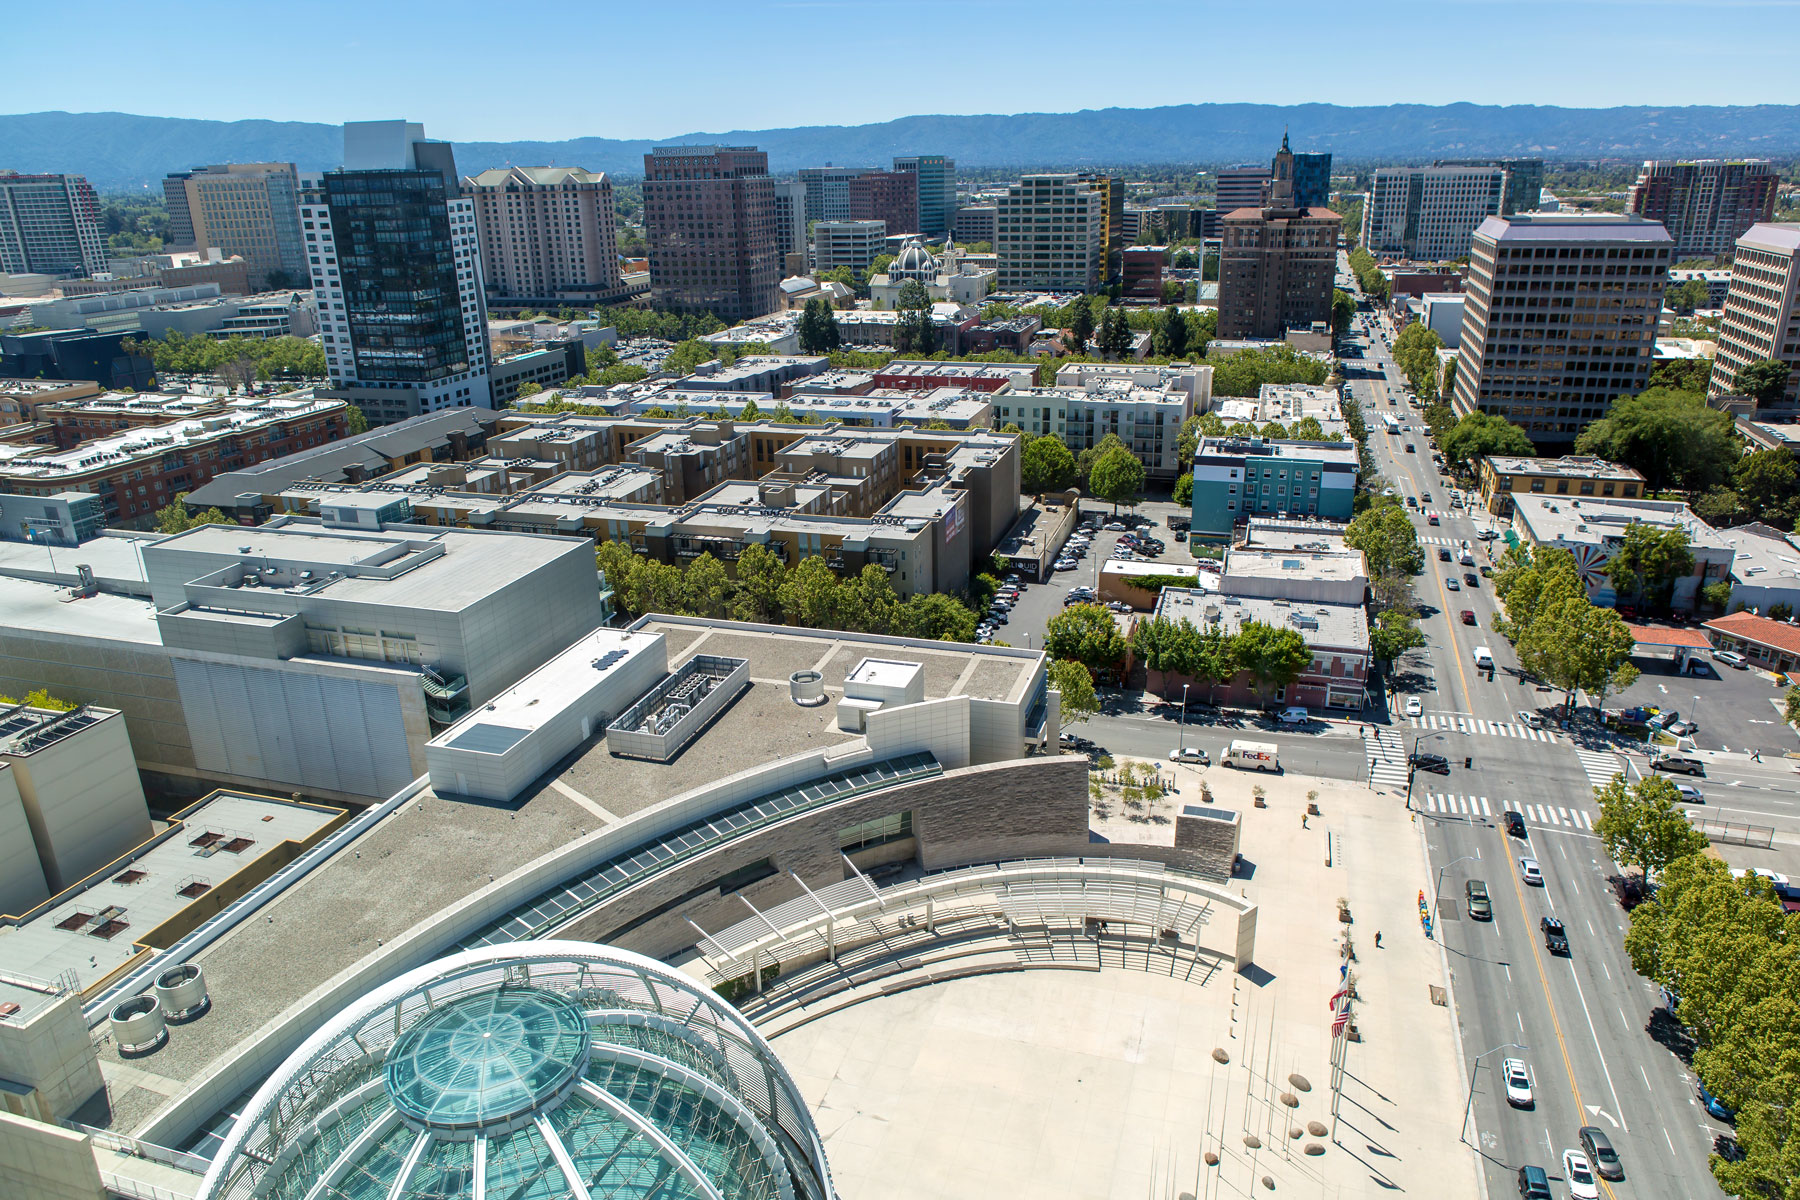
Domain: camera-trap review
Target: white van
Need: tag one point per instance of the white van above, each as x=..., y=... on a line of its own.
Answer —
x=1484, y=658
x=1253, y=756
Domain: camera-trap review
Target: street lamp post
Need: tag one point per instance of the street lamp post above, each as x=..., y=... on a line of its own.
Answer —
x=1438, y=887
x=1463, y=1133
x=1181, y=742
x=1410, y=769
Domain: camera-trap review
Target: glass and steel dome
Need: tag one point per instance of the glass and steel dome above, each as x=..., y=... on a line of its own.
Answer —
x=533, y=1071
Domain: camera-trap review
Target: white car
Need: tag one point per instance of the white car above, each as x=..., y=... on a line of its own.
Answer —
x=1530, y=872
x=1690, y=793
x=1731, y=659
x=1580, y=1176
x=1065, y=564
x=1191, y=754
x=1115, y=527
x=1535, y=720
x=1518, y=1082
x=1414, y=706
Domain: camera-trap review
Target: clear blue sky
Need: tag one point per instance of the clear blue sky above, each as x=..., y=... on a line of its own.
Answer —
x=496, y=70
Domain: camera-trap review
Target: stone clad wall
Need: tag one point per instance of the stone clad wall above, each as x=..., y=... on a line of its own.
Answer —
x=1019, y=808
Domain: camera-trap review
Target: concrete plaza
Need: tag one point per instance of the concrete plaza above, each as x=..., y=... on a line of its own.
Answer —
x=1100, y=1079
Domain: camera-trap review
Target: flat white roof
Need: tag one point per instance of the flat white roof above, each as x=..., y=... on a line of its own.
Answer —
x=536, y=699
x=883, y=672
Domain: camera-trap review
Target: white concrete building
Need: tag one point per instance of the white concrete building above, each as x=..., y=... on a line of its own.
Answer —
x=1049, y=232
x=852, y=244
x=1429, y=213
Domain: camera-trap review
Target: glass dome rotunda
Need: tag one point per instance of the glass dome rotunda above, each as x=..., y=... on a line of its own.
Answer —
x=534, y=1071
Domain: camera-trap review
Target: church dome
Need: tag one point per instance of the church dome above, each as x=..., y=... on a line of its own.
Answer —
x=914, y=262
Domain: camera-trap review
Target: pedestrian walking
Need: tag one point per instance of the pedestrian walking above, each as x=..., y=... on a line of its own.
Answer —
x=1303, y=823
x=1378, y=939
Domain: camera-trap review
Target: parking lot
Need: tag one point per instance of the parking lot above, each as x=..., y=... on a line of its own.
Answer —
x=1735, y=710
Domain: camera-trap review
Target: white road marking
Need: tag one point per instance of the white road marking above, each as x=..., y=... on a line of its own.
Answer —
x=1598, y=1053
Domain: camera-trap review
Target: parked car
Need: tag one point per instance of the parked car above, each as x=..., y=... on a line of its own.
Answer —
x=1663, y=719
x=1731, y=659
x=1714, y=1105
x=1515, y=823
x=1530, y=872
x=1600, y=1152
x=1475, y=892
x=1518, y=1082
x=1293, y=715
x=1487, y=535
x=1556, y=938
x=1181, y=535
x=1435, y=763
x=1066, y=564
x=1190, y=754
x=1579, y=1176
x=1533, y=1183
x=1115, y=527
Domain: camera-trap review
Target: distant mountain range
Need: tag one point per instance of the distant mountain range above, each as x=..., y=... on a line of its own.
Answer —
x=119, y=151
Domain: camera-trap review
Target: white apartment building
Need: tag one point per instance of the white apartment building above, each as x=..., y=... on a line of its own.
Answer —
x=1144, y=405
x=1429, y=213
x=1048, y=234
x=852, y=244
x=1762, y=313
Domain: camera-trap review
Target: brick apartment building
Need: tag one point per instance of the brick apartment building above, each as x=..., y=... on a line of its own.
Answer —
x=140, y=470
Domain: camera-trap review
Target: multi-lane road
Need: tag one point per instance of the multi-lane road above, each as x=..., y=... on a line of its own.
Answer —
x=1582, y=1022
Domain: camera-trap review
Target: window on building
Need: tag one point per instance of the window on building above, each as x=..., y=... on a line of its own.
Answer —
x=876, y=832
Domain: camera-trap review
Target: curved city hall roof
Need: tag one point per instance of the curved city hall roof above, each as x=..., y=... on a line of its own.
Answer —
x=535, y=1071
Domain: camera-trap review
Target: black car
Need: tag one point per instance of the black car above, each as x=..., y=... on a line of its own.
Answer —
x=1472, y=579
x=1443, y=554
x=1431, y=762
x=1555, y=939
x=1515, y=823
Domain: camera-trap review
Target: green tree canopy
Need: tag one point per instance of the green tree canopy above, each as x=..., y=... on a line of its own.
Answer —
x=1117, y=476
x=688, y=355
x=1244, y=372
x=1393, y=634
x=1184, y=489
x=1045, y=465
x=1343, y=310
x=1274, y=655
x=1765, y=380
x=1649, y=562
x=1087, y=634
x=173, y=517
x=1671, y=437
x=1643, y=826
x=1172, y=333
x=1574, y=644
x=1386, y=536
x=1767, y=486
x=1480, y=434
x=818, y=328
x=1076, y=686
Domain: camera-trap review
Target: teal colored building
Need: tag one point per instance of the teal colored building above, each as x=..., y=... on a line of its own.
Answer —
x=1236, y=478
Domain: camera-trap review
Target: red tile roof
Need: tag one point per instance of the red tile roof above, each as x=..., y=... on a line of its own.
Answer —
x=1752, y=628
x=1668, y=635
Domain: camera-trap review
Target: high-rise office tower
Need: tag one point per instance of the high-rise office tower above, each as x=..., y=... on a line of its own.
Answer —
x=1429, y=213
x=1050, y=232
x=709, y=215
x=937, y=190
x=790, y=217
x=1706, y=205
x=1762, y=314
x=1112, y=232
x=1524, y=180
x=49, y=225
x=1277, y=262
x=852, y=244
x=1243, y=186
x=1312, y=179
x=247, y=209
x=1559, y=318
x=545, y=231
x=396, y=269
x=888, y=196
x=828, y=191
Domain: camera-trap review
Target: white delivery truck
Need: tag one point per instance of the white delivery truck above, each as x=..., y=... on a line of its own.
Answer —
x=1484, y=658
x=1252, y=756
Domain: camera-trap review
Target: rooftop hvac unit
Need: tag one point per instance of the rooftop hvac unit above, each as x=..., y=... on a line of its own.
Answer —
x=138, y=1026
x=182, y=992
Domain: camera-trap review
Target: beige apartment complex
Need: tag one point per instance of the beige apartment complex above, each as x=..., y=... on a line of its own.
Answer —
x=251, y=210
x=1050, y=233
x=545, y=231
x=1762, y=318
x=1560, y=318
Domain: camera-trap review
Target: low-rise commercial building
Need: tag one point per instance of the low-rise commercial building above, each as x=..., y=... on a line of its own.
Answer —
x=140, y=470
x=1593, y=530
x=1504, y=476
x=1337, y=634
x=1771, y=645
x=1236, y=478
x=1286, y=404
x=1765, y=567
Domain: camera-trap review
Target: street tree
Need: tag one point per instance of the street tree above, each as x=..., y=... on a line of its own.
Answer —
x=1117, y=477
x=937, y=617
x=1394, y=633
x=811, y=596
x=1575, y=645
x=1642, y=825
x=1767, y=484
x=1171, y=333
x=173, y=517
x=1531, y=582
x=760, y=576
x=1075, y=684
x=1184, y=489
x=707, y=589
x=1081, y=328
x=1046, y=465
x=1790, y=709
x=1215, y=658
x=1087, y=634
x=1386, y=536
x=1274, y=656
x=1343, y=310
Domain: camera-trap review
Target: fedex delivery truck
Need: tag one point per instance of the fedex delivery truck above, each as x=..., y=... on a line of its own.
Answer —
x=1252, y=756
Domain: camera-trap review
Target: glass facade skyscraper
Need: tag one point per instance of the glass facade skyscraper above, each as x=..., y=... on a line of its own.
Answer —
x=937, y=190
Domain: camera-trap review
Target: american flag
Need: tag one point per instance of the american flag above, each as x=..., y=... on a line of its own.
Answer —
x=1337, y=1025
